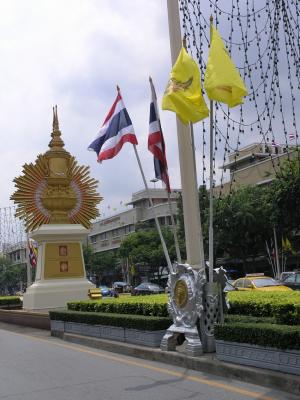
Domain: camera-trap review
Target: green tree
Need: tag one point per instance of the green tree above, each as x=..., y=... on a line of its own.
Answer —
x=242, y=223
x=11, y=275
x=101, y=264
x=285, y=193
x=144, y=247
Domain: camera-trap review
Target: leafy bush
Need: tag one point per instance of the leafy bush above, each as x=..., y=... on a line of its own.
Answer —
x=283, y=306
x=10, y=301
x=155, y=305
x=121, y=320
x=262, y=334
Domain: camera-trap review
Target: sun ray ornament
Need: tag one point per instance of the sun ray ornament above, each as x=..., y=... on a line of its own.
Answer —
x=55, y=189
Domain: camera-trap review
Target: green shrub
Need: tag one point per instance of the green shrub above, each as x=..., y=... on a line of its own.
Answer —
x=283, y=306
x=121, y=320
x=155, y=305
x=262, y=334
x=232, y=318
x=10, y=301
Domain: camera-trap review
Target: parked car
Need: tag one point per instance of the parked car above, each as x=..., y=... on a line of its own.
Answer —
x=105, y=291
x=147, y=288
x=229, y=286
x=292, y=280
x=260, y=283
x=285, y=274
x=121, y=287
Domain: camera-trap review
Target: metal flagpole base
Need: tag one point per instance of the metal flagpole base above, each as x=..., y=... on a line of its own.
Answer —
x=210, y=316
x=193, y=347
x=185, y=306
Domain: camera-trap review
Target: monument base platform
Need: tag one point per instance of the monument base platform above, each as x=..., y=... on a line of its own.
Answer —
x=60, y=274
x=55, y=293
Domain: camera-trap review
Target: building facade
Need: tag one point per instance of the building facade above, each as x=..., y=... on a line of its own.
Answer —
x=255, y=164
x=108, y=233
x=16, y=253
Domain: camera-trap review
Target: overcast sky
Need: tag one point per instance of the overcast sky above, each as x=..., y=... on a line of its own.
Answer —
x=73, y=53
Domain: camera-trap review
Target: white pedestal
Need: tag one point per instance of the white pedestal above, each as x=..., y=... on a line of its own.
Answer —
x=54, y=287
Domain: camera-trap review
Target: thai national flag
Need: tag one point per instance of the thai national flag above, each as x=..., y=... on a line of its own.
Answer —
x=32, y=253
x=156, y=143
x=116, y=130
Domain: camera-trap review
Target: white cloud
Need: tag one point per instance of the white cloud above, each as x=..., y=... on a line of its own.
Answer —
x=73, y=53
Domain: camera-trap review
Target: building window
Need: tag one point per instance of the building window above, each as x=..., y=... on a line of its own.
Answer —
x=116, y=232
x=103, y=236
x=93, y=239
x=128, y=229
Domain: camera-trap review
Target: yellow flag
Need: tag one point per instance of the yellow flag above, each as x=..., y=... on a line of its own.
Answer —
x=183, y=93
x=222, y=80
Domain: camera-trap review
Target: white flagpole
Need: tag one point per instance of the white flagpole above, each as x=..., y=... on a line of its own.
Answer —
x=197, y=188
x=282, y=263
x=276, y=253
x=211, y=209
x=174, y=229
x=270, y=259
x=190, y=198
x=155, y=217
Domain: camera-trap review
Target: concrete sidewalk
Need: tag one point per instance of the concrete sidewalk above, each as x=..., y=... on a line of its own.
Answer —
x=207, y=363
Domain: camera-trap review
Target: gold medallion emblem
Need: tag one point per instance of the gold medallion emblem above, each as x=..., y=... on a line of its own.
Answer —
x=181, y=293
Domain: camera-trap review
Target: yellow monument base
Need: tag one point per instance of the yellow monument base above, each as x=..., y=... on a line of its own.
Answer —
x=60, y=274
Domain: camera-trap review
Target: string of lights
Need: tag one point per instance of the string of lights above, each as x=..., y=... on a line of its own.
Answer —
x=263, y=39
x=12, y=231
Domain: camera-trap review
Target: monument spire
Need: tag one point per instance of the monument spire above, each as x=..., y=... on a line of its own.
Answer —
x=55, y=190
x=56, y=141
x=55, y=120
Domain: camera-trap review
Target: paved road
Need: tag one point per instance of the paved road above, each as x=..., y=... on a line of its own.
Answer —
x=36, y=366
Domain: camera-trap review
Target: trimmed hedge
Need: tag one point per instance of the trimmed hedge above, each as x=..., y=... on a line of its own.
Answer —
x=283, y=306
x=248, y=319
x=262, y=334
x=155, y=305
x=10, y=301
x=120, y=320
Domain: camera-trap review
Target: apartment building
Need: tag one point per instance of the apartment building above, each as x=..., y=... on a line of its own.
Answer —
x=108, y=233
x=255, y=164
x=16, y=253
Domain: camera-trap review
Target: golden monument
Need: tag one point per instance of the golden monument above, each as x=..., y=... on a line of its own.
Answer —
x=57, y=199
x=55, y=190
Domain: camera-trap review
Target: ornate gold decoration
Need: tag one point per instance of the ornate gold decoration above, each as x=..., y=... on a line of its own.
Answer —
x=181, y=293
x=174, y=85
x=55, y=190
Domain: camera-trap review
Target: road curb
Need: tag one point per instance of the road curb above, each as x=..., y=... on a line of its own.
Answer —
x=207, y=363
